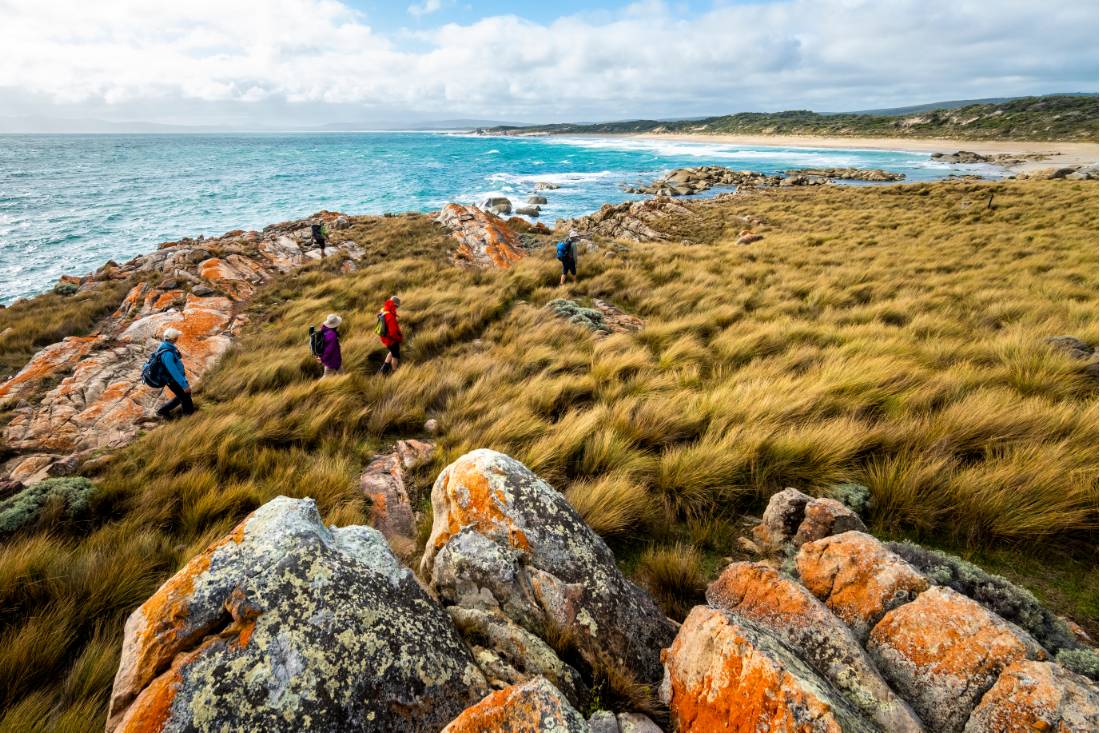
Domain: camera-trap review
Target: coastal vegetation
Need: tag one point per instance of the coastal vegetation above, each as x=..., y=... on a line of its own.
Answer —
x=1047, y=118
x=893, y=338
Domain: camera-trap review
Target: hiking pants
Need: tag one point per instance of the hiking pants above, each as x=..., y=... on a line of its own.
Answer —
x=180, y=398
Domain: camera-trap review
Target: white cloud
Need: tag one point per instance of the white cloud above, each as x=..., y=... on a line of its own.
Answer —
x=644, y=59
x=425, y=8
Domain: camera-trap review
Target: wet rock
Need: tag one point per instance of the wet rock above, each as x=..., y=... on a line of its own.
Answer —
x=824, y=518
x=544, y=186
x=285, y=624
x=1036, y=696
x=528, y=211
x=502, y=538
x=497, y=205
x=792, y=614
x=483, y=239
x=537, y=200
x=962, y=156
x=688, y=181
x=533, y=707
x=857, y=578
x=782, y=518
x=725, y=673
x=383, y=484
x=943, y=652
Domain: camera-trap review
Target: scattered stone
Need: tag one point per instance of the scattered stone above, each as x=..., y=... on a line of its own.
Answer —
x=544, y=186
x=803, y=181
x=747, y=236
x=483, y=239
x=689, y=181
x=782, y=518
x=502, y=538
x=285, y=624
x=431, y=426
x=963, y=156
x=848, y=174
x=528, y=211
x=791, y=613
x=943, y=652
x=603, y=721
x=1072, y=346
x=533, y=707
x=537, y=200
x=858, y=578
x=637, y=723
x=497, y=205
x=824, y=518
x=1036, y=696
x=722, y=668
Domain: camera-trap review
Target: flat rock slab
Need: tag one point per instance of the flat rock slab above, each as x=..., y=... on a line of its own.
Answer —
x=285, y=625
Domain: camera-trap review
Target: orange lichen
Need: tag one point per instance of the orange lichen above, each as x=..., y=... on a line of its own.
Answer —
x=49, y=361
x=511, y=710
x=149, y=712
x=758, y=591
x=474, y=502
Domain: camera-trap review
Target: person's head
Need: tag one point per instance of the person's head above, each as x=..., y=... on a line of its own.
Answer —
x=574, y=234
x=396, y=301
x=333, y=320
x=171, y=335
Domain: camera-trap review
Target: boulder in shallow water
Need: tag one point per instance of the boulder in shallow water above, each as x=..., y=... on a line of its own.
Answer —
x=285, y=624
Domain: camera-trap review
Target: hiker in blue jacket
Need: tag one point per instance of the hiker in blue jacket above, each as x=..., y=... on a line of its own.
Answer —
x=175, y=378
x=567, y=253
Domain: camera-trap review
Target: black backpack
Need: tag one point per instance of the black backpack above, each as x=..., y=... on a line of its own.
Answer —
x=318, y=235
x=316, y=342
x=153, y=373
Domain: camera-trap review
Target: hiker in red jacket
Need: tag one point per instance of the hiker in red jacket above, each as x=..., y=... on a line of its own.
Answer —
x=389, y=330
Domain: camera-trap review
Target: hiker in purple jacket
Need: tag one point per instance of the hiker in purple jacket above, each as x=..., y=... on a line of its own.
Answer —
x=330, y=353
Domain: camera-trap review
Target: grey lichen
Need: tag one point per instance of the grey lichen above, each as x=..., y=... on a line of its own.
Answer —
x=26, y=506
x=1082, y=661
x=856, y=497
x=573, y=312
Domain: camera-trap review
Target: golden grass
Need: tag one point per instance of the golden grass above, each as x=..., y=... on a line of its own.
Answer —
x=888, y=336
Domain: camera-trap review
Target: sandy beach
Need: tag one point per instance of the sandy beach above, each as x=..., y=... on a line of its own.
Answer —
x=1059, y=154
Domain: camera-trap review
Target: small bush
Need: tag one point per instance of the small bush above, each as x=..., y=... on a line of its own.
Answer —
x=1082, y=661
x=69, y=494
x=856, y=497
x=65, y=289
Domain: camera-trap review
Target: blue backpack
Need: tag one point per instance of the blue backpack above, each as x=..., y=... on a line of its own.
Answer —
x=565, y=249
x=153, y=373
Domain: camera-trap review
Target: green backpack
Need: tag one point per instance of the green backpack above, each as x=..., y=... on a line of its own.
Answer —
x=381, y=328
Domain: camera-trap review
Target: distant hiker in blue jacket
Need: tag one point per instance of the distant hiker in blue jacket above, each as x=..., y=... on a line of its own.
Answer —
x=567, y=254
x=175, y=377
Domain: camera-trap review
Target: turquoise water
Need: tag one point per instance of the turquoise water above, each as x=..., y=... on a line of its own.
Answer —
x=68, y=203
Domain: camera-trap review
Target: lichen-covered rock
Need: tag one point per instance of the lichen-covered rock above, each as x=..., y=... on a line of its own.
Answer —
x=504, y=538
x=999, y=595
x=782, y=517
x=285, y=624
x=825, y=517
x=638, y=221
x=483, y=239
x=723, y=673
x=1034, y=696
x=636, y=723
x=383, y=484
x=943, y=652
x=792, y=614
x=602, y=318
x=603, y=721
x=509, y=654
x=532, y=707
x=857, y=578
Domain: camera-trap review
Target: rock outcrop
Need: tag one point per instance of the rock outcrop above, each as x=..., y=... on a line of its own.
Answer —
x=383, y=484
x=1036, y=696
x=849, y=174
x=688, y=181
x=484, y=240
x=532, y=707
x=633, y=220
x=84, y=393
x=287, y=625
x=505, y=540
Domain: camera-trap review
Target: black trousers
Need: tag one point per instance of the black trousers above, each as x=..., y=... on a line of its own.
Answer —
x=179, y=398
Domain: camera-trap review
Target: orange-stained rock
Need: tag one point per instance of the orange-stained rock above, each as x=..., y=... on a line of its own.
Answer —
x=943, y=651
x=1034, y=696
x=792, y=614
x=532, y=707
x=49, y=362
x=724, y=673
x=858, y=578
x=383, y=483
x=502, y=538
x=483, y=239
x=825, y=517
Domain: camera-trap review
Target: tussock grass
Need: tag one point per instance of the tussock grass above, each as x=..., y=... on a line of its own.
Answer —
x=891, y=337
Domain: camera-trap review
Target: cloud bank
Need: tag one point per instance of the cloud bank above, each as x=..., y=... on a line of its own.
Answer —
x=254, y=56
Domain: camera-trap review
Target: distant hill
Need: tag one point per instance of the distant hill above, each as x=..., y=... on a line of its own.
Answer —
x=1064, y=117
x=953, y=104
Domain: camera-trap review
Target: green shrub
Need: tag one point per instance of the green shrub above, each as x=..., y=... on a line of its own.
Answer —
x=856, y=497
x=70, y=494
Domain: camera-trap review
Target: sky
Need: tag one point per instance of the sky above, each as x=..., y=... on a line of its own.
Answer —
x=284, y=63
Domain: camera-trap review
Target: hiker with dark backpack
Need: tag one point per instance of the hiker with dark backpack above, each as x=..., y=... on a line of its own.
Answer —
x=325, y=345
x=165, y=369
x=567, y=254
x=389, y=331
x=319, y=231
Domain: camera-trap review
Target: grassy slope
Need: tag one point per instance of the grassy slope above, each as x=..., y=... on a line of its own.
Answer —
x=891, y=336
x=1031, y=118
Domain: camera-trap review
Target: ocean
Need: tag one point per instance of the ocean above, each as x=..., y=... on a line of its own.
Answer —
x=69, y=203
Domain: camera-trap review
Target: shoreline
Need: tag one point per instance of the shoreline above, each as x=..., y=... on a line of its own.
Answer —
x=1062, y=154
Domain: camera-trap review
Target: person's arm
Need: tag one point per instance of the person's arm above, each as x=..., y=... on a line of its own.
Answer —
x=174, y=365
